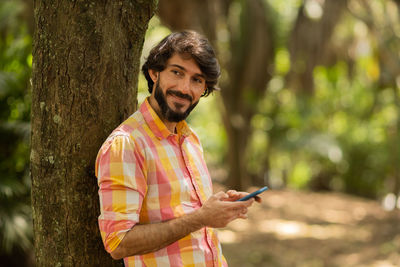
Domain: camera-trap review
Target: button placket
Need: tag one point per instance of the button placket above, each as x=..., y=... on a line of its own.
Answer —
x=190, y=171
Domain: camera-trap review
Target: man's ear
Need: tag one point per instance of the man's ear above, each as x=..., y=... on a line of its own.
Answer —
x=153, y=75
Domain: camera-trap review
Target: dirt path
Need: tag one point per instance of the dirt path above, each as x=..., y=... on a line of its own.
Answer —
x=311, y=230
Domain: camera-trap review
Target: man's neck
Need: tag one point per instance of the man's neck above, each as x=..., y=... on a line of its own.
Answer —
x=171, y=126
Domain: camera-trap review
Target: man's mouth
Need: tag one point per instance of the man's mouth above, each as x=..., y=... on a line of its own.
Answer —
x=179, y=95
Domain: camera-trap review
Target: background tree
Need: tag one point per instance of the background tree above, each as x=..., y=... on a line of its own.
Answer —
x=85, y=70
x=309, y=41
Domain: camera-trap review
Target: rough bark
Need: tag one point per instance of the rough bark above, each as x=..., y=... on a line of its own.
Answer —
x=85, y=70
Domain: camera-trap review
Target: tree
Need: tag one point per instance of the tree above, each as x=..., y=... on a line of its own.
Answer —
x=309, y=41
x=85, y=70
x=249, y=70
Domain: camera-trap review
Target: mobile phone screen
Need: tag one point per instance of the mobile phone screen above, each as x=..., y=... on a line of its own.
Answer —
x=259, y=191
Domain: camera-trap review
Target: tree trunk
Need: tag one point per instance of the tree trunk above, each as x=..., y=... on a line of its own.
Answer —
x=198, y=15
x=309, y=43
x=85, y=70
x=249, y=69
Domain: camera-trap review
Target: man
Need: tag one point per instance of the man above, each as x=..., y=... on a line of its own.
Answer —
x=157, y=205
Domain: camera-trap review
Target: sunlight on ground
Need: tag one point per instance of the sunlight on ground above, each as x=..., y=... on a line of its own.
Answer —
x=331, y=214
x=383, y=264
x=313, y=230
x=227, y=236
x=355, y=258
x=284, y=229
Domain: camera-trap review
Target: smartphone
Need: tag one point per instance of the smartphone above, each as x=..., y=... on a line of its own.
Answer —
x=259, y=191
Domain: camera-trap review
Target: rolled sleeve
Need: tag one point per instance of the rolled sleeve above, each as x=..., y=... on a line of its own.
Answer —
x=122, y=186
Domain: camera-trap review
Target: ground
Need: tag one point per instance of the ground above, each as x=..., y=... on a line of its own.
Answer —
x=307, y=229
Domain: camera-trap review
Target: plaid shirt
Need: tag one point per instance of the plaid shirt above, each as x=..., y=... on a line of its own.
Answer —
x=148, y=175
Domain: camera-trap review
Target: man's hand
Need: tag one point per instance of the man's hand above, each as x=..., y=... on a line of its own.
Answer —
x=221, y=208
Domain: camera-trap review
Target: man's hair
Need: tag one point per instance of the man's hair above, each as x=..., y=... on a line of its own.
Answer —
x=185, y=43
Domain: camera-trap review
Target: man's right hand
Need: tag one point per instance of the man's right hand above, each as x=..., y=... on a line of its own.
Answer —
x=218, y=211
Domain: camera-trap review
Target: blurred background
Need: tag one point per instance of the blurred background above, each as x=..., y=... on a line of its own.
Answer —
x=309, y=105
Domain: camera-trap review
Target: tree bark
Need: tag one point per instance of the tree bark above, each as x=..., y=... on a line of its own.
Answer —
x=85, y=71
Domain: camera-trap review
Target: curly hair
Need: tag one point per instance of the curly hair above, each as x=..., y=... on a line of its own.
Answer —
x=184, y=43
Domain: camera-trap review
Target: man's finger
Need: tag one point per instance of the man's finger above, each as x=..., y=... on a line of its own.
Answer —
x=243, y=216
x=233, y=192
x=248, y=202
x=220, y=195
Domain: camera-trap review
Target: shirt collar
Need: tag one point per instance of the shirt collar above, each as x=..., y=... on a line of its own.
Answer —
x=157, y=126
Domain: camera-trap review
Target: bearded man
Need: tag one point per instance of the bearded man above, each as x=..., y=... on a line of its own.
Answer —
x=156, y=198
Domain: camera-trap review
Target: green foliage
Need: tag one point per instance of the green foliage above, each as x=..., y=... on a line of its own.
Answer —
x=15, y=70
x=346, y=135
x=338, y=135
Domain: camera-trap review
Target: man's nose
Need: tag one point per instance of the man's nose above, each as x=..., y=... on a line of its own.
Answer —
x=185, y=85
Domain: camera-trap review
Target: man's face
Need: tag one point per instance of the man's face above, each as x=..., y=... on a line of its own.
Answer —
x=168, y=113
x=178, y=88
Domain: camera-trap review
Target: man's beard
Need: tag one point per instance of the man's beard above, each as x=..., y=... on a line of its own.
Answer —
x=168, y=113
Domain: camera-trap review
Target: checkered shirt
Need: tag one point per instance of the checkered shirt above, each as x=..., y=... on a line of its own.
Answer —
x=146, y=175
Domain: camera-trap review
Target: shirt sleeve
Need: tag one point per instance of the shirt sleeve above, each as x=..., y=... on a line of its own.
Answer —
x=122, y=186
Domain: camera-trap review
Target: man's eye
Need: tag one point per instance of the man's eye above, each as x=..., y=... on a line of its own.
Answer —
x=197, y=80
x=176, y=72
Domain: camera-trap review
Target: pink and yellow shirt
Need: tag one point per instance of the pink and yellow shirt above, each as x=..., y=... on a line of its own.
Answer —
x=146, y=174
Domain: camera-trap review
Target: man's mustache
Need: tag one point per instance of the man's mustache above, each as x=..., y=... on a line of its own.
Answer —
x=179, y=94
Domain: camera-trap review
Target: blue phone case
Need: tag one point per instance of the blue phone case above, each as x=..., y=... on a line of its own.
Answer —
x=259, y=191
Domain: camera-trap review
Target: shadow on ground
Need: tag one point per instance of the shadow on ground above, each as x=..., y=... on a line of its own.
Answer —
x=306, y=229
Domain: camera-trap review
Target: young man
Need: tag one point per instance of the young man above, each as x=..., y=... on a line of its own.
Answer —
x=157, y=205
